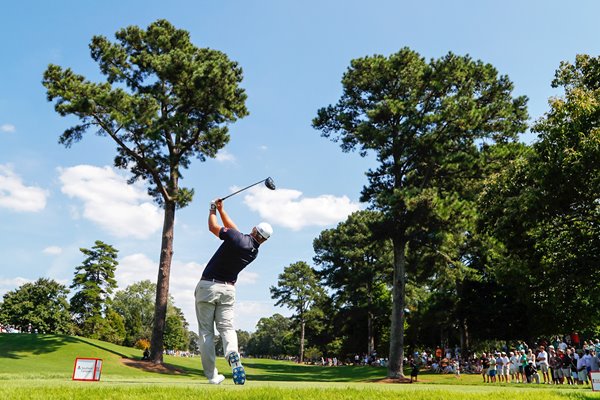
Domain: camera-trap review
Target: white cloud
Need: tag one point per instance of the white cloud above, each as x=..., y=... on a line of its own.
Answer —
x=287, y=207
x=248, y=313
x=9, y=128
x=52, y=250
x=247, y=278
x=10, y=284
x=182, y=280
x=121, y=209
x=134, y=268
x=16, y=196
x=182, y=283
x=225, y=156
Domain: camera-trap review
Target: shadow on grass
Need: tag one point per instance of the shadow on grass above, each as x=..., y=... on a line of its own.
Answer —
x=306, y=373
x=99, y=346
x=11, y=344
x=164, y=369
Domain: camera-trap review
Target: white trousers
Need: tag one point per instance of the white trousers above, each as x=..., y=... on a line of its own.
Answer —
x=214, y=306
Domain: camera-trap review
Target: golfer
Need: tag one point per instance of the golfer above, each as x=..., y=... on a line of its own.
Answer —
x=215, y=292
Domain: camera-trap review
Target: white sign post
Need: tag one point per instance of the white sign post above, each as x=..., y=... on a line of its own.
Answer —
x=595, y=381
x=87, y=369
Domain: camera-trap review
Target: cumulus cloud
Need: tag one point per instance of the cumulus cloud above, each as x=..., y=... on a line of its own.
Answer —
x=288, y=208
x=249, y=312
x=16, y=196
x=121, y=209
x=52, y=250
x=10, y=284
x=182, y=283
x=9, y=128
x=225, y=156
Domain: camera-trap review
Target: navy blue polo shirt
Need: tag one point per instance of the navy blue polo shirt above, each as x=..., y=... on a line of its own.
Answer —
x=235, y=253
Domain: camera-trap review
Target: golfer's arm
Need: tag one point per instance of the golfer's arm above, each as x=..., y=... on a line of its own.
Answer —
x=213, y=223
x=227, y=222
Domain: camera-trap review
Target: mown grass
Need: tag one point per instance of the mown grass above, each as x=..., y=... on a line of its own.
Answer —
x=40, y=367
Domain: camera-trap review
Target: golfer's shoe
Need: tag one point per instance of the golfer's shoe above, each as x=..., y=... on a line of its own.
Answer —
x=216, y=380
x=239, y=374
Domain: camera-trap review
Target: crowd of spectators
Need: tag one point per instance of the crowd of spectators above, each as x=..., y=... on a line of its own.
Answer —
x=558, y=362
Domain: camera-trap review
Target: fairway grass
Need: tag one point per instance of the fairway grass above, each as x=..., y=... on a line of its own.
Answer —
x=40, y=367
x=198, y=389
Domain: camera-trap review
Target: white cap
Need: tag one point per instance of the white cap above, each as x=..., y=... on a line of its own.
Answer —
x=264, y=230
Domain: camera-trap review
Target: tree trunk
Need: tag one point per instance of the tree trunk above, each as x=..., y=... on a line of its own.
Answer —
x=162, y=285
x=465, y=345
x=370, y=338
x=396, y=360
x=463, y=327
x=302, y=325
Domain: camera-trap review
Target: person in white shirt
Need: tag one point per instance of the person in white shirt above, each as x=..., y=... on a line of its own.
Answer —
x=505, y=367
x=542, y=361
x=514, y=367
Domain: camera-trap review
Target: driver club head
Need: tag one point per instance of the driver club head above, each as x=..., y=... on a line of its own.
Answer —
x=269, y=183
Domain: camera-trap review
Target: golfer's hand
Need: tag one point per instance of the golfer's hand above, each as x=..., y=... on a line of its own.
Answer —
x=219, y=204
x=213, y=206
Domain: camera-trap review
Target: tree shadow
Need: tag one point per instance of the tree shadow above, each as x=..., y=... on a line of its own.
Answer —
x=12, y=344
x=164, y=369
x=99, y=346
x=306, y=373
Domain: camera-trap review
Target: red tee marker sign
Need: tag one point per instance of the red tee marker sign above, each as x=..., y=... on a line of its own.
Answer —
x=87, y=369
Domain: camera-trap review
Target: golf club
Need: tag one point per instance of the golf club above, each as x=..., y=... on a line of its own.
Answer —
x=268, y=183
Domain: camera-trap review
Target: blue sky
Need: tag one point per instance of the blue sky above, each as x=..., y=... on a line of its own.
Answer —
x=54, y=200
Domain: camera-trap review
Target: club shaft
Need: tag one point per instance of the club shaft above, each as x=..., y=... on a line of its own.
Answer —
x=241, y=190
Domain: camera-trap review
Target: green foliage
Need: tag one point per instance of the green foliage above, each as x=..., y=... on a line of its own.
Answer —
x=194, y=343
x=113, y=329
x=298, y=289
x=356, y=263
x=313, y=353
x=544, y=208
x=243, y=339
x=176, y=333
x=164, y=101
x=43, y=304
x=273, y=337
x=136, y=304
x=425, y=124
x=94, y=282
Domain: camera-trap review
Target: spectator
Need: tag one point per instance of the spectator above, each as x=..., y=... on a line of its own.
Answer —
x=524, y=361
x=542, y=360
x=567, y=360
x=492, y=369
x=531, y=373
x=414, y=365
x=555, y=364
x=485, y=365
x=505, y=366
x=513, y=362
x=582, y=376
